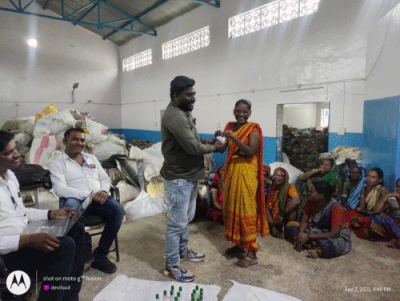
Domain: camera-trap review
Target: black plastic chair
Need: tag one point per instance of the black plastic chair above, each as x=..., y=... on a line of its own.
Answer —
x=97, y=220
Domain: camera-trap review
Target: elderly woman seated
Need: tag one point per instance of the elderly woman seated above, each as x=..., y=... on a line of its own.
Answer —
x=323, y=228
x=282, y=202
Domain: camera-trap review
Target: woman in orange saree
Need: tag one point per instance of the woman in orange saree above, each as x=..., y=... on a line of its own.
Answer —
x=244, y=205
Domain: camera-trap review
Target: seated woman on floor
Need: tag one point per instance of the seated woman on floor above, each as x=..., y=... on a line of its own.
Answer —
x=352, y=188
x=385, y=221
x=217, y=196
x=323, y=228
x=282, y=203
x=327, y=172
x=370, y=195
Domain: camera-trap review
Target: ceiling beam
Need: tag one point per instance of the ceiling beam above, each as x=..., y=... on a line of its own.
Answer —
x=20, y=10
x=138, y=17
x=216, y=3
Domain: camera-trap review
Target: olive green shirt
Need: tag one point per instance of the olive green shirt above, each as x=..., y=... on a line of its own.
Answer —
x=181, y=146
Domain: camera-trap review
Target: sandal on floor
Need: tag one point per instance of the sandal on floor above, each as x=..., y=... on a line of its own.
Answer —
x=246, y=262
x=235, y=250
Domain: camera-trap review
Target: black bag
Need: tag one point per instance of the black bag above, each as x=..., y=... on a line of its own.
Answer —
x=32, y=174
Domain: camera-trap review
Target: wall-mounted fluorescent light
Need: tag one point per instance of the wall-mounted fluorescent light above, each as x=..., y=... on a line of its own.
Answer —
x=303, y=89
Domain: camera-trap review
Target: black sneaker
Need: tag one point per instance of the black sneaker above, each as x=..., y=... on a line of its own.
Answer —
x=89, y=254
x=104, y=264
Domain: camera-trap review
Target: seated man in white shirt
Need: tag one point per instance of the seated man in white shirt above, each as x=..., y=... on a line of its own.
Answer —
x=74, y=174
x=42, y=252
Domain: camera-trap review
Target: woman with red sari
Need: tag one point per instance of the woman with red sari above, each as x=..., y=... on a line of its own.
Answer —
x=244, y=204
x=282, y=203
x=217, y=196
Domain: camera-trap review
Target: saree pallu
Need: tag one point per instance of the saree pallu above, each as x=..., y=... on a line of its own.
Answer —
x=321, y=223
x=244, y=205
x=386, y=226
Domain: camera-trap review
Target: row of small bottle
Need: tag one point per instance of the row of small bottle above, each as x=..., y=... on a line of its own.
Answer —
x=196, y=295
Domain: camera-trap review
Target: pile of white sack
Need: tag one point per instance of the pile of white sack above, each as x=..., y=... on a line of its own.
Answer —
x=39, y=141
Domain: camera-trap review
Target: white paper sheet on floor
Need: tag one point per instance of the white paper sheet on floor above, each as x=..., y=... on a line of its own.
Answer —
x=243, y=292
x=123, y=288
x=144, y=206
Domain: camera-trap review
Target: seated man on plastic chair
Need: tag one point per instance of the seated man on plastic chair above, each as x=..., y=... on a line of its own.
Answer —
x=54, y=258
x=74, y=175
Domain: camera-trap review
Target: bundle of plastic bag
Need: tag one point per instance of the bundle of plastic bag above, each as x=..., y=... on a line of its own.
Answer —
x=54, y=123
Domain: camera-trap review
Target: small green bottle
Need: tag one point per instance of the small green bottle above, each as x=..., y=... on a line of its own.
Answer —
x=157, y=297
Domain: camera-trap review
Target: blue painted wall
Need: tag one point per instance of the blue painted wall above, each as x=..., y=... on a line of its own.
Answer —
x=380, y=137
x=269, y=155
x=348, y=139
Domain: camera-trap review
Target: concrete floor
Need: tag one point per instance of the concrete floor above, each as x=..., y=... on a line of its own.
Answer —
x=369, y=266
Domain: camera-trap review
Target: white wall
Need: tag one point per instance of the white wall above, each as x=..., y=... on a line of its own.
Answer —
x=325, y=49
x=383, y=57
x=31, y=79
x=301, y=116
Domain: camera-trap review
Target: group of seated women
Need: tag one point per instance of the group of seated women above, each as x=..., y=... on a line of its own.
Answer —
x=318, y=212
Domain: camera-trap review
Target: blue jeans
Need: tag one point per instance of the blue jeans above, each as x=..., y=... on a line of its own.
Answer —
x=181, y=197
x=111, y=211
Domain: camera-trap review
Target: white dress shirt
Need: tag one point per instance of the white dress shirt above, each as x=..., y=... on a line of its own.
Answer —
x=70, y=179
x=13, y=214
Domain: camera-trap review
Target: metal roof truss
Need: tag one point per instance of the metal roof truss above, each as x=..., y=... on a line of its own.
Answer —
x=128, y=20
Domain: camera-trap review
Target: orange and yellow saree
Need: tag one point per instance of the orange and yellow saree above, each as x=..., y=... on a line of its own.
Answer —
x=244, y=205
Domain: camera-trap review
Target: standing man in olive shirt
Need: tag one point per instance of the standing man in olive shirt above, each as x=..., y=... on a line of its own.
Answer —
x=183, y=166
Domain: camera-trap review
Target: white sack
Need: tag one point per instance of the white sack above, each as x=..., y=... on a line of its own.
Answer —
x=42, y=148
x=54, y=123
x=27, y=125
x=97, y=131
x=293, y=172
x=23, y=139
x=285, y=158
x=144, y=206
x=243, y=292
x=155, y=151
x=106, y=148
x=127, y=192
x=50, y=159
x=151, y=164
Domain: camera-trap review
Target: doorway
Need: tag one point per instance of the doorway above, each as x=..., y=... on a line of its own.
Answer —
x=302, y=133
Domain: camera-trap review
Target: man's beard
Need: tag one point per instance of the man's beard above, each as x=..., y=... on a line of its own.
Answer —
x=184, y=107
